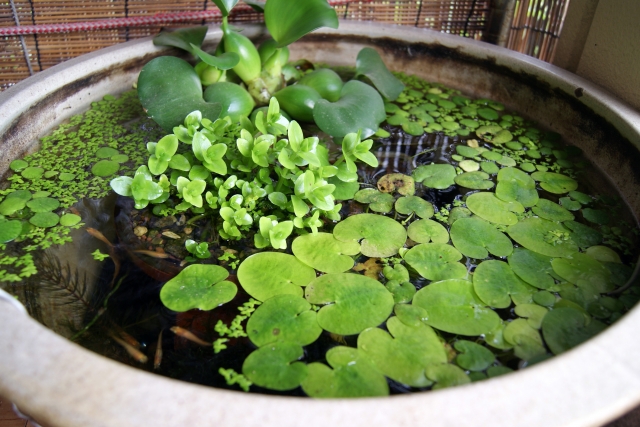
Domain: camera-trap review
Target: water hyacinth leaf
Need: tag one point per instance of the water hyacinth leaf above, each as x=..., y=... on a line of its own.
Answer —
x=44, y=219
x=299, y=101
x=413, y=204
x=325, y=81
x=381, y=236
x=403, y=184
x=564, y=328
x=225, y=61
x=580, y=269
x=543, y=236
x=487, y=206
x=426, y=230
x=473, y=356
x=234, y=100
x=360, y=107
x=474, y=180
x=526, y=340
x=601, y=253
x=533, y=313
x=436, y=261
x=370, y=64
x=438, y=176
x=403, y=353
x=267, y=274
x=554, y=182
x=324, y=252
x=378, y=202
x=352, y=302
x=69, y=220
x=453, y=306
x=201, y=286
x=182, y=38
x=583, y=235
x=516, y=186
x=9, y=230
x=532, y=267
x=275, y=366
x=169, y=89
x=43, y=204
x=353, y=375
x=496, y=284
x=283, y=318
x=287, y=24
x=552, y=211
x=446, y=375
x=476, y=238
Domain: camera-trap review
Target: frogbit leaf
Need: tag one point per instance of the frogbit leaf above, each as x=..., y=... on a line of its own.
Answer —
x=287, y=23
x=198, y=286
x=382, y=236
x=436, y=261
x=324, y=252
x=370, y=65
x=496, y=284
x=275, y=366
x=476, y=238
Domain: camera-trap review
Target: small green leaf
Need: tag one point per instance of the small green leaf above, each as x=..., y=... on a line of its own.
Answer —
x=44, y=219
x=275, y=366
x=436, y=261
x=43, y=204
x=382, y=236
x=9, y=230
x=496, y=284
x=198, y=286
x=438, y=176
x=544, y=237
x=564, y=328
x=487, y=206
x=476, y=238
x=324, y=252
x=426, y=230
x=473, y=356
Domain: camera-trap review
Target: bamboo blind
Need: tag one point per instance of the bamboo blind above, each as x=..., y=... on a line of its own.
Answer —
x=21, y=56
x=536, y=27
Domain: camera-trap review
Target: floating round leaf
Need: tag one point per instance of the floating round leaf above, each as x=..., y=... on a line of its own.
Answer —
x=467, y=151
x=533, y=312
x=580, y=269
x=267, y=274
x=105, y=168
x=352, y=376
x=526, y=341
x=9, y=230
x=355, y=302
x=596, y=216
x=516, y=186
x=198, y=286
x=409, y=204
x=446, y=375
x=453, y=306
x=11, y=205
x=554, y=182
x=283, y=318
x=32, y=172
x=275, y=366
x=344, y=190
x=496, y=284
x=403, y=184
x=564, y=328
x=532, y=267
x=403, y=353
x=544, y=298
x=469, y=165
x=43, y=204
x=106, y=152
x=583, y=235
x=569, y=204
x=474, y=180
x=403, y=292
x=552, y=211
x=436, y=261
x=324, y=252
x=438, y=176
x=473, y=356
x=426, y=230
x=69, y=219
x=544, y=237
x=66, y=176
x=44, y=219
x=488, y=113
x=378, y=202
x=603, y=254
x=18, y=165
x=488, y=206
x=476, y=238
x=382, y=236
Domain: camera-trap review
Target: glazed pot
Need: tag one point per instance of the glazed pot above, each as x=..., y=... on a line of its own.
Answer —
x=61, y=384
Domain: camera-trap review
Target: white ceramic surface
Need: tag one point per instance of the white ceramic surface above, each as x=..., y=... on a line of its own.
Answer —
x=61, y=384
